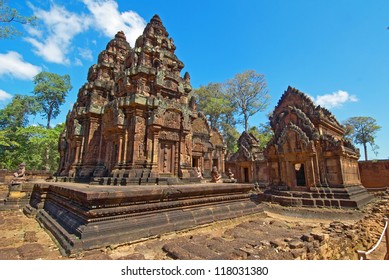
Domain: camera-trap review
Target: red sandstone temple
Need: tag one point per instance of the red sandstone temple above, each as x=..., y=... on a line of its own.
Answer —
x=310, y=162
x=134, y=120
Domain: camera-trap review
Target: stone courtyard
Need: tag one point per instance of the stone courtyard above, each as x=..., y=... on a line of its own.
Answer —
x=277, y=233
x=142, y=175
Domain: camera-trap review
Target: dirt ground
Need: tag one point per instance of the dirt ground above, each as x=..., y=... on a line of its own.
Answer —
x=278, y=233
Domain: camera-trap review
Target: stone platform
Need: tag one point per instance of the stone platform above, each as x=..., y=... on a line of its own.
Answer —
x=83, y=217
x=335, y=197
x=18, y=196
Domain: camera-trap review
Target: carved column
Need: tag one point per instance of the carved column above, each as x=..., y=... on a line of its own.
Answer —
x=78, y=154
x=341, y=174
x=120, y=146
x=139, y=134
x=155, y=147
x=125, y=144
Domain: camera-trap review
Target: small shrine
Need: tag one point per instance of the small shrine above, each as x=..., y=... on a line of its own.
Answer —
x=133, y=121
x=310, y=162
x=248, y=164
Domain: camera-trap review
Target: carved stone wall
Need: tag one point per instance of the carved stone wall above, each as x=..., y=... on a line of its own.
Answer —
x=374, y=173
x=248, y=164
x=133, y=119
x=308, y=148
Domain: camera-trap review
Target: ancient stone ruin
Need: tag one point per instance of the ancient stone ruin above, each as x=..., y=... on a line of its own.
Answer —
x=136, y=137
x=310, y=162
x=248, y=163
x=133, y=122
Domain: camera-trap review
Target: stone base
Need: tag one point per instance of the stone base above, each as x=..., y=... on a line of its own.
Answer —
x=18, y=196
x=87, y=217
x=337, y=197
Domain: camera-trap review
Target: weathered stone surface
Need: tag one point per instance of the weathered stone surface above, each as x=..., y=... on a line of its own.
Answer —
x=295, y=244
x=320, y=236
x=96, y=255
x=299, y=253
x=310, y=161
x=9, y=254
x=133, y=121
x=176, y=252
x=139, y=212
x=135, y=256
x=31, y=251
x=30, y=236
x=366, y=229
x=248, y=164
x=307, y=238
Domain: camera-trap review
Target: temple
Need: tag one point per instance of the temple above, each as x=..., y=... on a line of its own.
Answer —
x=134, y=120
x=248, y=163
x=310, y=162
x=134, y=123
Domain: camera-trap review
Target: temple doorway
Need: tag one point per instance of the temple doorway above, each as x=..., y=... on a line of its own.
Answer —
x=195, y=162
x=300, y=174
x=246, y=178
x=166, y=157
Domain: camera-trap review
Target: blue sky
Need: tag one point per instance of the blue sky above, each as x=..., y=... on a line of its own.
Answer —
x=336, y=51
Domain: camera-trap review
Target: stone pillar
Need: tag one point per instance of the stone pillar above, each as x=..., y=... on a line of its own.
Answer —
x=120, y=149
x=155, y=147
x=78, y=151
x=125, y=144
x=139, y=134
x=313, y=171
x=341, y=174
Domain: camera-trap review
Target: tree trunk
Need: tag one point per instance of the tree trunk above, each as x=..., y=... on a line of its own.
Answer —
x=47, y=150
x=48, y=120
x=365, y=150
x=246, y=122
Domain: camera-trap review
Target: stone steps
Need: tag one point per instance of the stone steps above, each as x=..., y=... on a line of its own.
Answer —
x=346, y=197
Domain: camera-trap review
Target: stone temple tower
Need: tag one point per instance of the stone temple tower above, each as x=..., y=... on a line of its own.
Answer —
x=133, y=121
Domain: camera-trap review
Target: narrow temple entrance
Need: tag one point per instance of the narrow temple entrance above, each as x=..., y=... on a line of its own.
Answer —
x=166, y=157
x=246, y=178
x=195, y=162
x=300, y=174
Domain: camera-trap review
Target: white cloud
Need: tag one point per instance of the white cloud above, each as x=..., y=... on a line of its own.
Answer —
x=4, y=95
x=335, y=99
x=12, y=64
x=78, y=62
x=109, y=20
x=85, y=53
x=61, y=26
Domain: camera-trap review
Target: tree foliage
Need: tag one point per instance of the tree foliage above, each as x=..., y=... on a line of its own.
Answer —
x=16, y=113
x=263, y=133
x=223, y=104
x=362, y=130
x=51, y=90
x=248, y=94
x=9, y=16
x=37, y=146
x=213, y=102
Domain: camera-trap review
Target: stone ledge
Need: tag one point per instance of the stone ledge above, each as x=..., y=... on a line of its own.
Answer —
x=84, y=218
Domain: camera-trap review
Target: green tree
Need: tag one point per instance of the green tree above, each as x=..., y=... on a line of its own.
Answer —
x=16, y=113
x=248, y=93
x=213, y=102
x=34, y=145
x=9, y=16
x=231, y=136
x=362, y=130
x=51, y=90
x=263, y=133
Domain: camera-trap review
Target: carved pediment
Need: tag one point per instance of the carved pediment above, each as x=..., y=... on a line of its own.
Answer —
x=171, y=119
